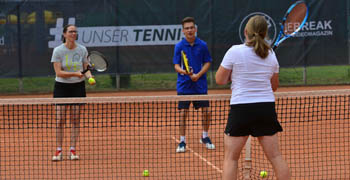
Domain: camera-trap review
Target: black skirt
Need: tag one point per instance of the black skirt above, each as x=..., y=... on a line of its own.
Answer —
x=256, y=119
x=69, y=90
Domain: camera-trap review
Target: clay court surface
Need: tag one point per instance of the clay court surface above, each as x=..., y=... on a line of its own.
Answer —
x=123, y=142
x=173, y=92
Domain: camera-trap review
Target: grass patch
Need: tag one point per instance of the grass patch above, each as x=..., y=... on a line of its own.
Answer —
x=153, y=81
x=322, y=75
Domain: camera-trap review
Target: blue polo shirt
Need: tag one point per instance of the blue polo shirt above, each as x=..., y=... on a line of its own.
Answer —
x=197, y=55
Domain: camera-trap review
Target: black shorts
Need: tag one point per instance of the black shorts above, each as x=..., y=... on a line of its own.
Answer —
x=196, y=104
x=256, y=119
x=69, y=90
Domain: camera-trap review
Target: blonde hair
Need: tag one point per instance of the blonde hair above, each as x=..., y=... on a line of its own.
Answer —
x=256, y=29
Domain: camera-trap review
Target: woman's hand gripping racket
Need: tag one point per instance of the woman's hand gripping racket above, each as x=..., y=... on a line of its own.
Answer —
x=292, y=22
x=98, y=62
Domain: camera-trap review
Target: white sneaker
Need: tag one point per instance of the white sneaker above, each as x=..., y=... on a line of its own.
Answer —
x=181, y=147
x=73, y=155
x=207, y=142
x=57, y=156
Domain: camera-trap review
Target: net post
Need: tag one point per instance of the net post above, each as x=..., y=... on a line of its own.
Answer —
x=247, y=160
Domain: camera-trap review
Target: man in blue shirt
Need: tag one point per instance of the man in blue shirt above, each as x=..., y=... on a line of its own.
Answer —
x=193, y=82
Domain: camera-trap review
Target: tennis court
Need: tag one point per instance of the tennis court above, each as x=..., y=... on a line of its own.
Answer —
x=122, y=136
x=117, y=140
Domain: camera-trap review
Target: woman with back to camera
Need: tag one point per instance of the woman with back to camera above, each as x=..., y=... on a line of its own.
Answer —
x=252, y=68
x=69, y=59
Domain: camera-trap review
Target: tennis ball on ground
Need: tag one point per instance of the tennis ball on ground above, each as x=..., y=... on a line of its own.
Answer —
x=92, y=81
x=263, y=174
x=145, y=173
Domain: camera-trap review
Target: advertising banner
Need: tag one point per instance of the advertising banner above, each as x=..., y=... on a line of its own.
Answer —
x=139, y=36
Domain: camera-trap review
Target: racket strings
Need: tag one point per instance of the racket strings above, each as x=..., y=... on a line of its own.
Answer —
x=98, y=62
x=295, y=18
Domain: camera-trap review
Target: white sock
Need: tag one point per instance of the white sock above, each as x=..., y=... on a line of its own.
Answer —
x=205, y=134
x=183, y=139
x=59, y=149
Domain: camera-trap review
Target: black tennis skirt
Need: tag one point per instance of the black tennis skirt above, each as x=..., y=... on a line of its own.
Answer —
x=69, y=90
x=256, y=119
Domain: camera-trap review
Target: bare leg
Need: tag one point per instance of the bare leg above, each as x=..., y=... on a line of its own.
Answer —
x=206, y=118
x=233, y=148
x=271, y=149
x=61, y=121
x=75, y=125
x=183, y=118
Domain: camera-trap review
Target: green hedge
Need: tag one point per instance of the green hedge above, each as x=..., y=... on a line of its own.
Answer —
x=324, y=75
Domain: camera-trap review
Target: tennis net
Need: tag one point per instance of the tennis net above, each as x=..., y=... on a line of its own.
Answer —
x=120, y=137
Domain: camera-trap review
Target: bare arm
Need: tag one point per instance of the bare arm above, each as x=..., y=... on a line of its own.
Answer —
x=204, y=69
x=64, y=74
x=223, y=76
x=275, y=82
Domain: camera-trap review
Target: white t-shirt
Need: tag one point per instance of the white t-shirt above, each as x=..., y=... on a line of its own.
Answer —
x=251, y=74
x=71, y=61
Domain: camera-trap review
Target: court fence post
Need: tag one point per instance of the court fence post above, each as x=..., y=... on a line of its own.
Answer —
x=305, y=75
x=19, y=50
x=117, y=81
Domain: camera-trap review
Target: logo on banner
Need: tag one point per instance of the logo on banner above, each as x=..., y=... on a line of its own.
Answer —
x=316, y=28
x=103, y=36
x=310, y=29
x=272, y=30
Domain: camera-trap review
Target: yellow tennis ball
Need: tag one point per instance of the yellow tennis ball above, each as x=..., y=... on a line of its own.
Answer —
x=263, y=174
x=145, y=173
x=92, y=81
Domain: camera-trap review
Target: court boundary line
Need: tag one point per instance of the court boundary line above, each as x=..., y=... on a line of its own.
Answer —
x=200, y=157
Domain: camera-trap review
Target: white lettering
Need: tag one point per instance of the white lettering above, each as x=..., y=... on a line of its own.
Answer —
x=314, y=33
x=312, y=25
x=327, y=24
x=317, y=25
x=316, y=28
x=291, y=27
x=305, y=27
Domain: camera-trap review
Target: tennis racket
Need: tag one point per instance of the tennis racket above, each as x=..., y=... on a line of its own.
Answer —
x=184, y=58
x=292, y=22
x=97, y=62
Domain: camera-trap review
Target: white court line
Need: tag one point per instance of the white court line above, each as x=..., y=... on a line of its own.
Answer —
x=200, y=157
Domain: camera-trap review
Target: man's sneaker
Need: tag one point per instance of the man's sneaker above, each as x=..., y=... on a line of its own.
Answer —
x=73, y=155
x=181, y=148
x=207, y=143
x=57, y=156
